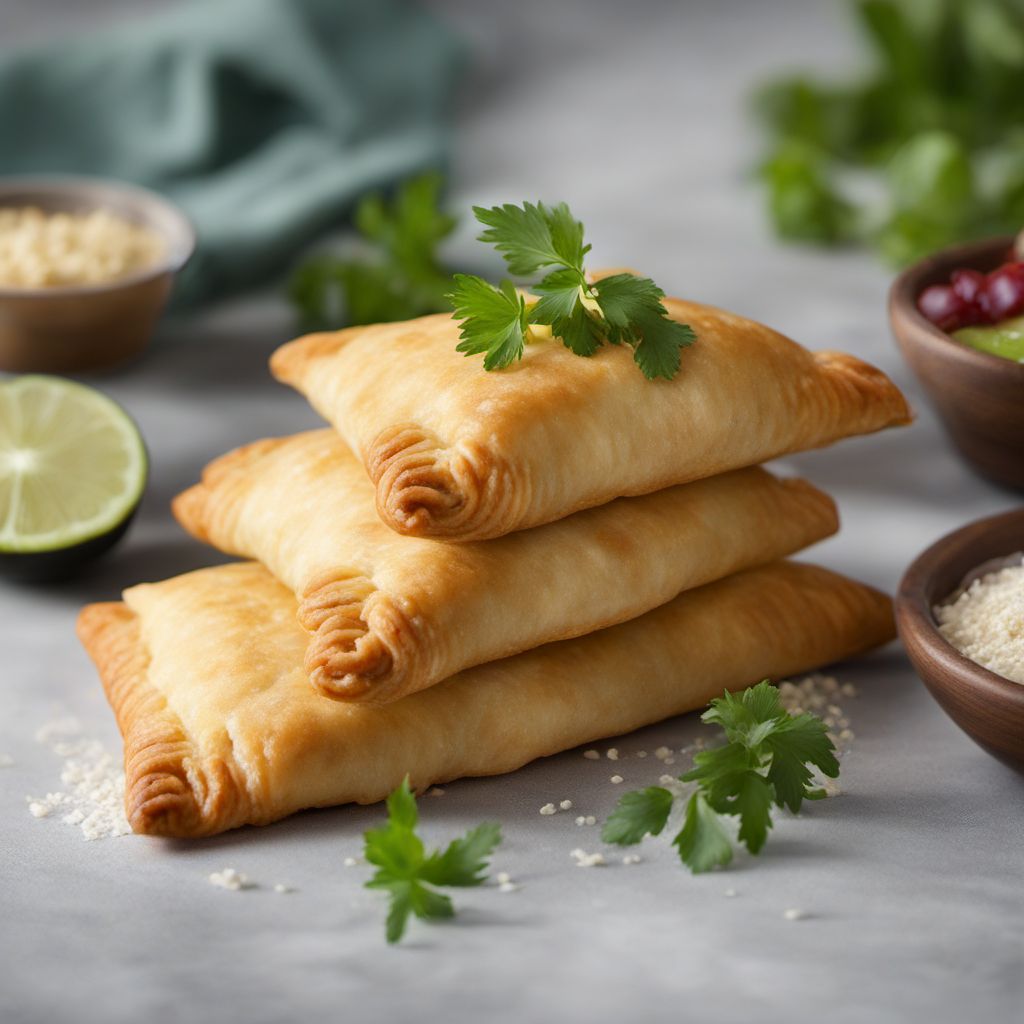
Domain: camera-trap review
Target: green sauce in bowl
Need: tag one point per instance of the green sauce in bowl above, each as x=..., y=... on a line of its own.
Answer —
x=1004, y=339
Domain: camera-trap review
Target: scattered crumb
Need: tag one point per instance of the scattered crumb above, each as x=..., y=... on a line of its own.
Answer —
x=580, y=820
x=93, y=795
x=282, y=888
x=502, y=876
x=612, y=754
x=509, y=887
x=6, y=760
x=615, y=780
x=632, y=858
x=795, y=914
x=662, y=753
x=435, y=791
x=566, y=805
x=641, y=753
x=729, y=892
x=666, y=780
x=588, y=860
x=231, y=879
x=669, y=760
x=590, y=820
x=350, y=862
x=591, y=755
x=549, y=809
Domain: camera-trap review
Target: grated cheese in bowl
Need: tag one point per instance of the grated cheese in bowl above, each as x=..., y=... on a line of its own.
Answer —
x=984, y=621
x=39, y=249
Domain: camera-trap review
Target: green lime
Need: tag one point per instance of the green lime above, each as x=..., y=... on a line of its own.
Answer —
x=73, y=467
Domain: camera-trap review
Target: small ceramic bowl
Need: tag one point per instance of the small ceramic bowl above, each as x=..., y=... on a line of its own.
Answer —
x=89, y=327
x=989, y=708
x=979, y=396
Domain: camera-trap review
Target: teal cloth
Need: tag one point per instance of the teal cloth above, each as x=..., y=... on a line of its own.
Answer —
x=263, y=119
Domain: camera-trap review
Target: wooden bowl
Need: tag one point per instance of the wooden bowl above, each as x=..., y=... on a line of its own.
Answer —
x=980, y=397
x=989, y=708
x=89, y=327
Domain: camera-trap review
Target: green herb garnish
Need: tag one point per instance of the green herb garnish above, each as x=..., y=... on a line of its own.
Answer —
x=763, y=763
x=400, y=276
x=583, y=314
x=933, y=128
x=407, y=873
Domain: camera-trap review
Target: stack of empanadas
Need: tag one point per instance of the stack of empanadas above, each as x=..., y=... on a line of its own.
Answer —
x=472, y=570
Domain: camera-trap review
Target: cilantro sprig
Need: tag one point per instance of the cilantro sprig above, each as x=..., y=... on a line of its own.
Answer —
x=396, y=274
x=409, y=874
x=621, y=309
x=765, y=762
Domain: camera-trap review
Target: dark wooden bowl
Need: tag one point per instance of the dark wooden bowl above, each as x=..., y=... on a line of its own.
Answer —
x=72, y=329
x=989, y=708
x=980, y=397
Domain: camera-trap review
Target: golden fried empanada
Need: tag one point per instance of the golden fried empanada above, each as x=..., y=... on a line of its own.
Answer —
x=457, y=452
x=222, y=728
x=389, y=615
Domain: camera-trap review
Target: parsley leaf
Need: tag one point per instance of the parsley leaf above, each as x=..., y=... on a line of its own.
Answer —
x=533, y=236
x=640, y=813
x=399, y=276
x=493, y=320
x=619, y=309
x=406, y=872
x=763, y=763
x=702, y=842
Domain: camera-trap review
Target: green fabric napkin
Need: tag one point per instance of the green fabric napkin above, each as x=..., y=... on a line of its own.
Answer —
x=263, y=119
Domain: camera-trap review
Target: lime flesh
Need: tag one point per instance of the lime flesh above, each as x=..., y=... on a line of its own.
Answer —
x=72, y=465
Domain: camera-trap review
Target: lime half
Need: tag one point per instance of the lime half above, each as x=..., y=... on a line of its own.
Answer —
x=72, y=471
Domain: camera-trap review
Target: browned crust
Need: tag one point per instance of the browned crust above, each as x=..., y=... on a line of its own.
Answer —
x=358, y=636
x=167, y=792
x=878, y=402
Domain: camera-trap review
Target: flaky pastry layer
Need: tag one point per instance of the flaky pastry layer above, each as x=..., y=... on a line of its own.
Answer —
x=388, y=615
x=456, y=452
x=221, y=727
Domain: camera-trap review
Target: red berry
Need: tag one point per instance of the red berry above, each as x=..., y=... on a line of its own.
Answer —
x=942, y=306
x=1004, y=292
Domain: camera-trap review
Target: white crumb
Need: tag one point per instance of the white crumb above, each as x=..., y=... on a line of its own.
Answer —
x=641, y=753
x=350, y=862
x=590, y=820
x=435, y=791
x=591, y=755
x=612, y=754
x=282, y=888
x=565, y=805
x=588, y=860
x=662, y=753
x=615, y=780
x=549, y=809
x=93, y=796
x=231, y=879
x=6, y=760
x=729, y=892
x=509, y=887
x=632, y=858
x=795, y=914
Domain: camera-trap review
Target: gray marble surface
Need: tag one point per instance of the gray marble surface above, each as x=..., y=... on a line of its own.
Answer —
x=910, y=878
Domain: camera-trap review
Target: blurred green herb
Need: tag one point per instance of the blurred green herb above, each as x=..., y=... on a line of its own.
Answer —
x=399, y=277
x=763, y=763
x=935, y=126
